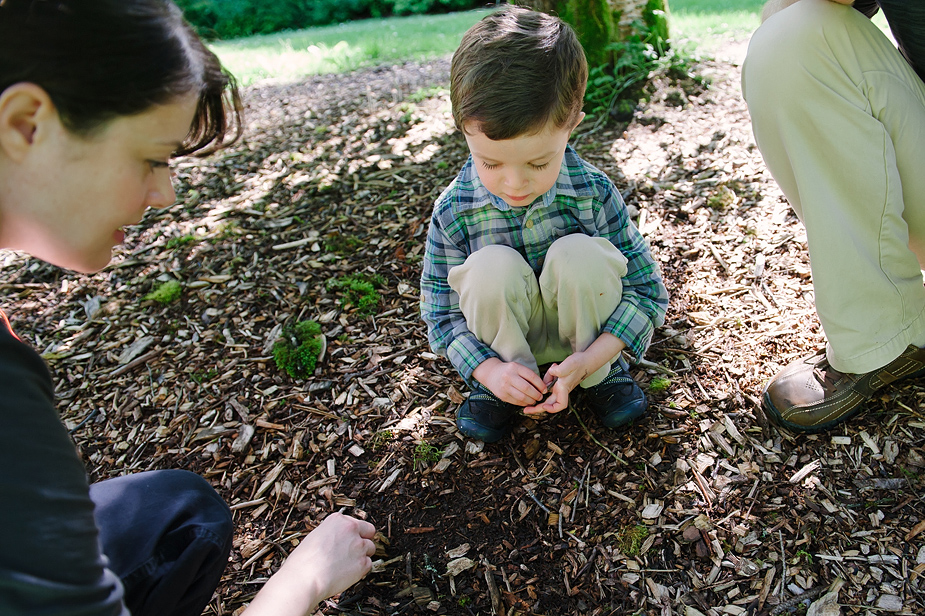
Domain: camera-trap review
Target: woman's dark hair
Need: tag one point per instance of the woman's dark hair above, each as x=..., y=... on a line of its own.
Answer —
x=102, y=59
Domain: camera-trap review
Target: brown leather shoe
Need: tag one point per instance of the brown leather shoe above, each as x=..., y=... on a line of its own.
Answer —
x=809, y=395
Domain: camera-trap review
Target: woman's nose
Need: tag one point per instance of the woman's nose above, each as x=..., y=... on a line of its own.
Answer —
x=161, y=193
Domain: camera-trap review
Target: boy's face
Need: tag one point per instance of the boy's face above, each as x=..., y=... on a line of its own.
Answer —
x=521, y=169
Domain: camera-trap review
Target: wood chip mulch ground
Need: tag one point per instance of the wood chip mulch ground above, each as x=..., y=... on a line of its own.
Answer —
x=699, y=509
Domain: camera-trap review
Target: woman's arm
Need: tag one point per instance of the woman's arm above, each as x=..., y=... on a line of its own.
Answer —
x=330, y=560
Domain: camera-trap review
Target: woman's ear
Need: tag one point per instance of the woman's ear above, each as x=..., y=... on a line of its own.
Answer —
x=25, y=110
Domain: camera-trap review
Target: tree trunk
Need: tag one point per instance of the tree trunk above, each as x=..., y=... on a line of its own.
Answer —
x=599, y=23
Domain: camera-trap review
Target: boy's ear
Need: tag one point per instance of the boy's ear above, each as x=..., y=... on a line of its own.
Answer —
x=25, y=108
x=581, y=116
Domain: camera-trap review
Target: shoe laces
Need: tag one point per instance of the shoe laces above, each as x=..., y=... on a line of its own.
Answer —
x=826, y=375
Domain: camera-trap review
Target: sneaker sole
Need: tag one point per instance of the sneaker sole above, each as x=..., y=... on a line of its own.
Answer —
x=477, y=431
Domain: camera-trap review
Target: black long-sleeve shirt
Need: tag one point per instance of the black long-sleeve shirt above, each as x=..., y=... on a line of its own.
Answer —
x=50, y=560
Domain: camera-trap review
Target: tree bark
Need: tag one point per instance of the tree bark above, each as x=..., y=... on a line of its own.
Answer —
x=599, y=23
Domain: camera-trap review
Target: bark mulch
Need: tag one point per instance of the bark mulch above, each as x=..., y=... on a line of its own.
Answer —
x=699, y=509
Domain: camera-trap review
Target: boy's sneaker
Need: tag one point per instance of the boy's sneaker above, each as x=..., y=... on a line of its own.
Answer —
x=617, y=400
x=484, y=417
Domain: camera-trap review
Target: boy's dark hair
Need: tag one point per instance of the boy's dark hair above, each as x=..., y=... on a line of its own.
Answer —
x=515, y=71
x=102, y=59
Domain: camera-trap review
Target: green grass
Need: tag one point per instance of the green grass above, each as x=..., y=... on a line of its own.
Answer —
x=288, y=56
x=696, y=26
x=706, y=24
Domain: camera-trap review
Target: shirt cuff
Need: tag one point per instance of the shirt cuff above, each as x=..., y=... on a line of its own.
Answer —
x=466, y=352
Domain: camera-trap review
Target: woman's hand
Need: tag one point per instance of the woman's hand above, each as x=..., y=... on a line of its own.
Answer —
x=331, y=559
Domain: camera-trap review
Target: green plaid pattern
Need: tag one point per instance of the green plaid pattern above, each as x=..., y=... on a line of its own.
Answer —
x=467, y=217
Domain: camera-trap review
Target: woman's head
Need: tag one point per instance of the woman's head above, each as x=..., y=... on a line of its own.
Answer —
x=95, y=97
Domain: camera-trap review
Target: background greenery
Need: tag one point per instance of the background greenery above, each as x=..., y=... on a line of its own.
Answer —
x=703, y=25
x=698, y=26
x=287, y=56
x=226, y=19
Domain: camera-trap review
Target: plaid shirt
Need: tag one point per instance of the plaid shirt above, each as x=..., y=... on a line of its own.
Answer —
x=467, y=217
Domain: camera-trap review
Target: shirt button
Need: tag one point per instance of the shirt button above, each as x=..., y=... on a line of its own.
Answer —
x=529, y=224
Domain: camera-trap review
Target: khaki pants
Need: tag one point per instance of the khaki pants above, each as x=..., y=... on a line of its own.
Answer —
x=839, y=117
x=534, y=322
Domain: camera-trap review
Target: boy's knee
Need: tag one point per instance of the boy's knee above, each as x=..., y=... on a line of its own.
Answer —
x=195, y=493
x=580, y=257
x=496, y=262
x=569, y=247
x=493, y=273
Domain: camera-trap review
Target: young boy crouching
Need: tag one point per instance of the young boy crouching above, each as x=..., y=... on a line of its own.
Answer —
x=531, y=257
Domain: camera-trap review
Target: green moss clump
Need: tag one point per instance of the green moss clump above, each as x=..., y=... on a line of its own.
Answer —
x=342, y=243
x=425, y=453
x=359, y=292
x=723, y=199
x=631, y=538
x=659, y=384
x=167, y=293
x=298, y=348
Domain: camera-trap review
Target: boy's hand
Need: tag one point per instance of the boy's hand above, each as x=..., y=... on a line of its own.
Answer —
x=511, y=382
x=560, y=380
x=563, y=378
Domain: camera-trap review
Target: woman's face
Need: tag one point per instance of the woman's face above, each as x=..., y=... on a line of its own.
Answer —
x=71, y=199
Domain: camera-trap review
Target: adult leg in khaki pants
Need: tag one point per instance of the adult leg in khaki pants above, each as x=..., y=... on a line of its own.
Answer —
x=839, y=117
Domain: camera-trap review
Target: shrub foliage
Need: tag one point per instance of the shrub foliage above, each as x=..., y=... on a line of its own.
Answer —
x=227, y=19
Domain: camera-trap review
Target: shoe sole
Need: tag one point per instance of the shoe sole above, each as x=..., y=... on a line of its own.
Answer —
x=630, y=418
x=477, y=431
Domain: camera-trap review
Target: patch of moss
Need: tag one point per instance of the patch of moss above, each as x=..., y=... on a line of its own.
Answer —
x=167, y=293
x=359, y=292
x=659, y=384
x=183, y=240
x=342, y=243
x=380, y=439
x=297, y=350
x=631, y=538
x=723, y=199
x=425, y=453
